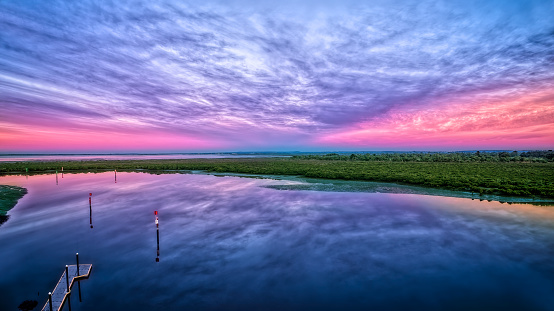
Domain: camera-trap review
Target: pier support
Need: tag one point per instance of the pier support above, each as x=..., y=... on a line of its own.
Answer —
x=58, y=297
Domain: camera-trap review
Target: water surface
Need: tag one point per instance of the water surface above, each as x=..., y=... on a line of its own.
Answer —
x=226, y=243
x=87, y=157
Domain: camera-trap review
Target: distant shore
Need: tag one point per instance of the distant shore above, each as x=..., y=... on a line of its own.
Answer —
x=9, y=195
x=525, y=179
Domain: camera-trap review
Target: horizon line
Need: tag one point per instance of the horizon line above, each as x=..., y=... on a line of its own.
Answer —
x=269, y=152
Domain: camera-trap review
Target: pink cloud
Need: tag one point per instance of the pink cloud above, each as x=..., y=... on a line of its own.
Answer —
x=502, y=122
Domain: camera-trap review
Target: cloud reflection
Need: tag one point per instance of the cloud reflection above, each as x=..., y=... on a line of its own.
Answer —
x=229, y=244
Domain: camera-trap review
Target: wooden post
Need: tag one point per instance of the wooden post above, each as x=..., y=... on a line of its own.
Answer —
x=77, y=255
x=67, y=277
x=67, y=285
x=69, y=302
x=79, y=285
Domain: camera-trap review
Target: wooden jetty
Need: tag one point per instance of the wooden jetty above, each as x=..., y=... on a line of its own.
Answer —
x=61, y=293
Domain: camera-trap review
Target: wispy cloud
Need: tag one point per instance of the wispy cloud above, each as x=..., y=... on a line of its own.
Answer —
x=258, y=76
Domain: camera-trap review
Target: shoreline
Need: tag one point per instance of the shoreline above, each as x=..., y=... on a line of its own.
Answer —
x=335, y=185
x=526, y=180
x=338, y=185
x=9, y=197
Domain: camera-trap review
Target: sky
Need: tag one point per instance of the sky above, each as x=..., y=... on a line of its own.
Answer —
x=203, y=76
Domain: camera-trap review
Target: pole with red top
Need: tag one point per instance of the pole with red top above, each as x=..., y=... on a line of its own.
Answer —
x=157, y=236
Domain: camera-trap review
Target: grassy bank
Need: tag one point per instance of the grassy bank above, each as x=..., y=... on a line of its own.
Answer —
x=507, y=178
x=9, y=195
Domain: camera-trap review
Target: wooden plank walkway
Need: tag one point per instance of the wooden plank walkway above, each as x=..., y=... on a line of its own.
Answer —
x=59, y=295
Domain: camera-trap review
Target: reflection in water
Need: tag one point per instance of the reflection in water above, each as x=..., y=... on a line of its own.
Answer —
x=115, y=176
x=157, y=238
x=232, y=245
x=90, y=208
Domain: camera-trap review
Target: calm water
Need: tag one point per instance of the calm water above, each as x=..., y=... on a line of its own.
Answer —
x=81, y=157
x=228, y=244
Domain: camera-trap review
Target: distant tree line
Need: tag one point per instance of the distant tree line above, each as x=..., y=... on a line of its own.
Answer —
x=539, y=156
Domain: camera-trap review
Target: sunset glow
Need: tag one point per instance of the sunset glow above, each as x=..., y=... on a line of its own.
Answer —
x=466, y=123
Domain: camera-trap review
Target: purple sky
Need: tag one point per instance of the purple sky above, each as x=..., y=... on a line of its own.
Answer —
x=108, y=76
